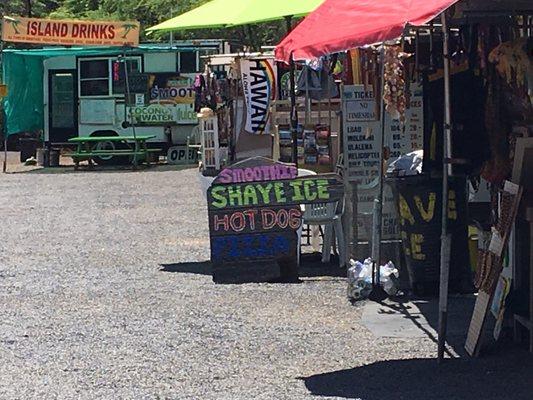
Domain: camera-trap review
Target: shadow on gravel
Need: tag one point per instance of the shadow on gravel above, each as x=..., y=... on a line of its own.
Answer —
x=199, y=268
x=311, y=266
x=499, y=376
x=422, y=314
x=104, y=169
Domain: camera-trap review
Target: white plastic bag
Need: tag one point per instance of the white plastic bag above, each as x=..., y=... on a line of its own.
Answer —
x=360, y=279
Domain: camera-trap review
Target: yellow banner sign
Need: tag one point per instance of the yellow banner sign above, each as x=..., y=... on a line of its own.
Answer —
x=70, y=32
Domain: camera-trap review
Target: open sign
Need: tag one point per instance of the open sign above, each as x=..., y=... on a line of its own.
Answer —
x=182, y=155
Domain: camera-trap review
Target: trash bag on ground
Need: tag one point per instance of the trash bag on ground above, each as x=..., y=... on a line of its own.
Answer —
x=360, y=279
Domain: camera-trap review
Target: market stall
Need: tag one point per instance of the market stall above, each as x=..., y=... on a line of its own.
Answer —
x=464, y=60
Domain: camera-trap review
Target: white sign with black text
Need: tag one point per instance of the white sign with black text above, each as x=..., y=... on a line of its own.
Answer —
x=362, y=149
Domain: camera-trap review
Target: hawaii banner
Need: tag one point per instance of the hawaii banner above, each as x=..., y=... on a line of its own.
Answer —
x=70, y=32
x=259, y=86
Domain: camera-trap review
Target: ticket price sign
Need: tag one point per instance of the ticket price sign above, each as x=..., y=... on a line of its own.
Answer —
x=362, y=144
x=254, y=210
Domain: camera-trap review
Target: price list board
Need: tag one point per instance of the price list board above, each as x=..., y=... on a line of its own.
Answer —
x=362, y=149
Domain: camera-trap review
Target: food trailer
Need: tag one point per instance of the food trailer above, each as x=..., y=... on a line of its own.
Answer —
x=107, y=91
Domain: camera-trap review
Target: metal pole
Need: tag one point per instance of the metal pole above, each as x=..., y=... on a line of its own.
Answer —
x=378, y=201
x=128, y=98
x=446, y=171
x=4, y=121
x=294, y=110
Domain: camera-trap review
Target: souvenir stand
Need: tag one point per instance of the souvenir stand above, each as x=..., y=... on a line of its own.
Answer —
x=472, y=121
x=230, y=129
x=317, y=108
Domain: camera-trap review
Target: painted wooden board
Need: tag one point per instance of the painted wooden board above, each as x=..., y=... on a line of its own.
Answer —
x=474, y=338
x=479, y=317
x=254, y=214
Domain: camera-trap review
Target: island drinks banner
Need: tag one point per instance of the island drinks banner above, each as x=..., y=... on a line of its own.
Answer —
x=259, y=87
x=70, y=32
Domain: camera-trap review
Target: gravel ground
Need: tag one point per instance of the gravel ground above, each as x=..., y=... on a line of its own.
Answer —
x=104, y=294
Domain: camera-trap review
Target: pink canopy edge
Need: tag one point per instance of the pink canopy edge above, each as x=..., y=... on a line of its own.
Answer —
x=339, y=25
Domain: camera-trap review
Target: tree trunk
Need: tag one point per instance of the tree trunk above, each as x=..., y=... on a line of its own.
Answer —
x=27, y=6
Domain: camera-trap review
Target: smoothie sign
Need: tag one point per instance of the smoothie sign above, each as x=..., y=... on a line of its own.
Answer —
x=70, y=32
x=254, y=214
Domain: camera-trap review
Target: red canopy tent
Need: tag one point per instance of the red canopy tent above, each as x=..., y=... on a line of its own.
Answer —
x=339, y=25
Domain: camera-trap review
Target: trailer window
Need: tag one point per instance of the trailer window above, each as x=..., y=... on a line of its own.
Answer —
x=94, y=77
x=188, y=61
x=119, y=76
x=204, y=61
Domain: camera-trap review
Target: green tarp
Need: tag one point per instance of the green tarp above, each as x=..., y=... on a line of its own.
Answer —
x=24, y=108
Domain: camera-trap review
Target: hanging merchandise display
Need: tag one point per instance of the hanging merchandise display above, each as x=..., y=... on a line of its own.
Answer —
x=258, y=78
x=513, y=63
x=206, y=90
x=394, y=94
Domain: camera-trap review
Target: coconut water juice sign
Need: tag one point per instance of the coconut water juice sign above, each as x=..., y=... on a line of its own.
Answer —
x=162, y=114
x=254, y=210
x=259, y=87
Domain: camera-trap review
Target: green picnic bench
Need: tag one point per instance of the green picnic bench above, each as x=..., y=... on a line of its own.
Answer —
x=88, y=148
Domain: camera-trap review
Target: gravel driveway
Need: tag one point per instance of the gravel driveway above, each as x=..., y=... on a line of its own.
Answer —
x=105, y=294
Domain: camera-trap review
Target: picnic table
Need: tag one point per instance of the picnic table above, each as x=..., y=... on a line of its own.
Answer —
x=89, y=147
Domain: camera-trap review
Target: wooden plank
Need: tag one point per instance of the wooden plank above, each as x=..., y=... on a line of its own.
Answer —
x=479, y=317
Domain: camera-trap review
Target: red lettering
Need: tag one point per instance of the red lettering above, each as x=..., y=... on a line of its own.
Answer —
x=102, y=31
x=237, y=221
x=33, y=29
x=268, y=218
x=295, y=218
x=64, y=30
x=56, y=30
x=75, y=30
x=283, y=218
x=83, y=31
x=251, y=217
x=111, y=31
x=221, y=222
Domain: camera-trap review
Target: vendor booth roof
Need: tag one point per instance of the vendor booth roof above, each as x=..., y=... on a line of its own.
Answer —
x=57, y=51
x=339, y=25
x=227, y=13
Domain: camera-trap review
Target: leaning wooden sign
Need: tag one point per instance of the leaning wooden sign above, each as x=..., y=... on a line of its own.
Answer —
x=254, y=209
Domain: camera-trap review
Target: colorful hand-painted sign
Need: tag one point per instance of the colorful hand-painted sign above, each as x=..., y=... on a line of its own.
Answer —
x=254, y=214
x=70, y=32
x=259, y=87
